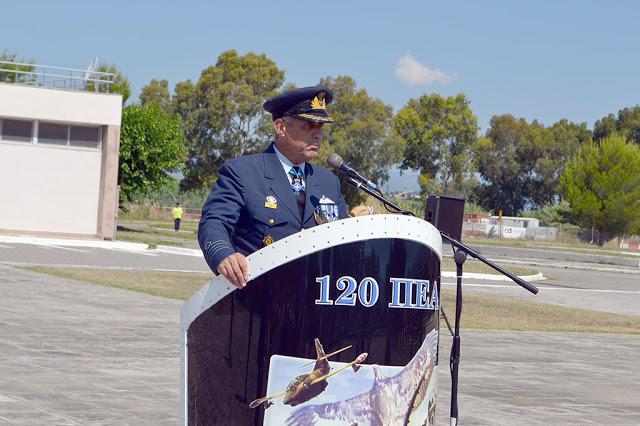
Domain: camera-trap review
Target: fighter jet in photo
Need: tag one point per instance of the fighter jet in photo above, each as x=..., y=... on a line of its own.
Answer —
x=390, y=401
x=308, y=386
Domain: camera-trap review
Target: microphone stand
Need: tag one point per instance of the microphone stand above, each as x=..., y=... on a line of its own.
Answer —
x=460, y=252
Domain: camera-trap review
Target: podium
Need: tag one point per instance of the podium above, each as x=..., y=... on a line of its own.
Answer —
x=356, y=300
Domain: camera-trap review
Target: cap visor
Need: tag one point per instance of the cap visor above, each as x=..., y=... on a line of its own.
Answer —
x=314, y=118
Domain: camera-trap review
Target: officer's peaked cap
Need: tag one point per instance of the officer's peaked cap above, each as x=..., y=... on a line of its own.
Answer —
x=308, y=103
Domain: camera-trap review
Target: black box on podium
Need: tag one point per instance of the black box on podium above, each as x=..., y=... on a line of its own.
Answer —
x=446, y=214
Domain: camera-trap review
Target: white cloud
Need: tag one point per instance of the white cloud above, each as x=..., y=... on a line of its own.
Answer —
x=413, y=73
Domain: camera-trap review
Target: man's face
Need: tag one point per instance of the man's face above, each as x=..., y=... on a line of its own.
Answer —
x=300, y=140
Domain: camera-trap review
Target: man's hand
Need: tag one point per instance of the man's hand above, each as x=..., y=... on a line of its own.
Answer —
x=236, y=269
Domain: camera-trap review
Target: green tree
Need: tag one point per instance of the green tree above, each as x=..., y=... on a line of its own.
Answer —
x=557, y=144
x=602, y=185
x=152, y=145
x=552, y=214
x=184, y=99
x=222, y=113
x=119, y=83
x=627, y=124
x=169, y=193
x=506, y=160
x=521, y=163
x=23, y=71
x=604, y=127
x=158, y=92
x=439, y=134
x=362, y=135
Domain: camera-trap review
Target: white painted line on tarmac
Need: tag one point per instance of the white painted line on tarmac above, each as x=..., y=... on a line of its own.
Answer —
x=491, y=277
x=61, y=248
x=75, y=243
x=9, y=247
x=144, y=253
x=179, y=250
x=545, y=288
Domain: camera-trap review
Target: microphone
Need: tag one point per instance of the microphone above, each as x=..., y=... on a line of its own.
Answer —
x=337, y=162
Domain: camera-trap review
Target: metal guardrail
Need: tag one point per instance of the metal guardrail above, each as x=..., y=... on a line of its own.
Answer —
x=57, y=77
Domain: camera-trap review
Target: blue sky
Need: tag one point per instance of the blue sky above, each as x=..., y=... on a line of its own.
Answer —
x=543, y=60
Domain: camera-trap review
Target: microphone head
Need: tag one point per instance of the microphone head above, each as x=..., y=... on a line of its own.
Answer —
x=334, y=160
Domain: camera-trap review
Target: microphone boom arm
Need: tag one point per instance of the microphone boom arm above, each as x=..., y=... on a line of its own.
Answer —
x=445, y=236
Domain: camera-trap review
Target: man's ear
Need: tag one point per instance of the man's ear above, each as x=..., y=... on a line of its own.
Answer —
x=279, y=126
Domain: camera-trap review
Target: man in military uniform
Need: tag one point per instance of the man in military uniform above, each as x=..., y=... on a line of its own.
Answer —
x=262, y=198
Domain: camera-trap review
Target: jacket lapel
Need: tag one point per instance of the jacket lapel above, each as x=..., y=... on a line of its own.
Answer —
x=279, y=183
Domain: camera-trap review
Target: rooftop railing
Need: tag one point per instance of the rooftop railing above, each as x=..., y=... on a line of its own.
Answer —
x=57, y=77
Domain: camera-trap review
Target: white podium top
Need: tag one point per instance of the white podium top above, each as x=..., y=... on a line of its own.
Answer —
x=312, y=240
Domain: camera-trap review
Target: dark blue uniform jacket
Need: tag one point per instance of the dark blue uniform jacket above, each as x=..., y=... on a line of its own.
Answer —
x=252, y=204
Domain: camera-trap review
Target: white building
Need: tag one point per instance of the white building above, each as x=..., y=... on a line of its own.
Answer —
x=58, y=161
x=519, y=222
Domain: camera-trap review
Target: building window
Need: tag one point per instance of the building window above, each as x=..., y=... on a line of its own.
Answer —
x=85, y=137
x=16, y=130
x=53, y=134
x=43, y=133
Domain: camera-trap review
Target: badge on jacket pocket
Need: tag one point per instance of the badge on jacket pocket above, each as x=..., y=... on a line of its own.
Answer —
x=271, y=202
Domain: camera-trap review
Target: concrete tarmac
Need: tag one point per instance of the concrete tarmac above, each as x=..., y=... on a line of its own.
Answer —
x=74, y=353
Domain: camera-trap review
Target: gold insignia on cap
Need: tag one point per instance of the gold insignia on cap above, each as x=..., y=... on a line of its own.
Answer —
x=318, y=102
x=268, y=240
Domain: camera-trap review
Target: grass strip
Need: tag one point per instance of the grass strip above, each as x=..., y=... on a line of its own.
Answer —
x=482, y=312
x=159, y=232
x=486, y=312
x=171, y=285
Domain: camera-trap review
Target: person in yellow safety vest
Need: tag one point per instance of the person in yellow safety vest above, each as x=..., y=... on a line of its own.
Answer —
x=177, y=216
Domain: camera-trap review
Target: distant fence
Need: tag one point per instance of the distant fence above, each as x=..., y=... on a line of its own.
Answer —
x=167, y=213
x=543, y=233
x=138, y=211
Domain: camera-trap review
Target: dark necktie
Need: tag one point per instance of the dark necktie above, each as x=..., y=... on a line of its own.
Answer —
x=298, y=187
